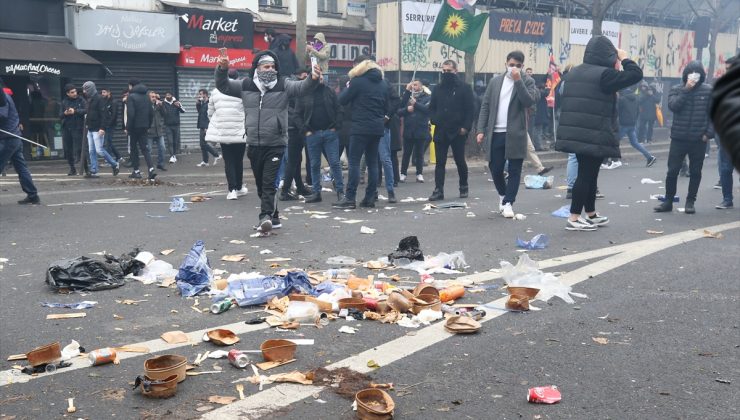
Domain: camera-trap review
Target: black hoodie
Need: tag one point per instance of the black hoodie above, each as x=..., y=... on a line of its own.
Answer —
x=691, y=107
x=288, y=63
x=368, y=95
x=139, y=112
x=726, y=111
x=628, y=108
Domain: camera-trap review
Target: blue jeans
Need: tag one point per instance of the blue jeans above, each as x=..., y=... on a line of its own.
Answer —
x=109, y=144
x=725, y=174
x=632, y=135
x=161, y=148
x=12, y=150
x=326, y=142
x=508, y=188
x=281, y=168
x=572, y=170
x=95, y=143
x=384, y=153
x=360, y=144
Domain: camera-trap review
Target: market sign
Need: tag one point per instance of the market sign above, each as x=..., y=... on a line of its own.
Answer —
x=581, y=31
x=215, y=29
x=520, y=27
x=115, y=30
x=208, y=57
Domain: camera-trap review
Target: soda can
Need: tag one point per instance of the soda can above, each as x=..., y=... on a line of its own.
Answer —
x=238, y=358
x=102, y=356
x=221, y=307
x=476, y=314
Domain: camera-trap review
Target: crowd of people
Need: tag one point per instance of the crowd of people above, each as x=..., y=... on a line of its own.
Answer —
x=276, y=112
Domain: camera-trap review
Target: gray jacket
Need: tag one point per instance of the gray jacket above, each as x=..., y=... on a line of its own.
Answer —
x=523, y=96
x=266, y=116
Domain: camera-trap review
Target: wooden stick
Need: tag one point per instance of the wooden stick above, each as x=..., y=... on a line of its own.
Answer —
x=66, y=316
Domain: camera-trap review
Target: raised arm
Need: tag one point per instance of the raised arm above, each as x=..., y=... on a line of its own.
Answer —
x=226, y=85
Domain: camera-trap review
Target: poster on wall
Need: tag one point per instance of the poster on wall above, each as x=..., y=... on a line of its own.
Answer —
x=418, y=18
x=116, y=30
x=356, y=8
x=520, y=27
x=581, y=31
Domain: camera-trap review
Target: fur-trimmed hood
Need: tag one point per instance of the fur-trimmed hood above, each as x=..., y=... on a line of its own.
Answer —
x=369, y=67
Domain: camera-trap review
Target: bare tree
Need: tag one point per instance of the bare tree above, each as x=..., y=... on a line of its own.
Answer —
x=721, y=14
x=598, y=9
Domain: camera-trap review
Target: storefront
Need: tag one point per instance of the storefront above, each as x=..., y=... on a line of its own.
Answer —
x=202, y=33
x=131, y=45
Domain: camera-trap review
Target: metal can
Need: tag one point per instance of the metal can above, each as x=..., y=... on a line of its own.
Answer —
x=476, y=314
x=238, y=358
x=102, y=356
x=221, y=307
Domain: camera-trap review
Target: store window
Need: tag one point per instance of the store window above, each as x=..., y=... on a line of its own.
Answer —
x=328, y=8
x=279, y=6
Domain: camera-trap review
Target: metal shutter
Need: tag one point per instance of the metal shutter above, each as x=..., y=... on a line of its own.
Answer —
x=189, y=81
x=156, y=71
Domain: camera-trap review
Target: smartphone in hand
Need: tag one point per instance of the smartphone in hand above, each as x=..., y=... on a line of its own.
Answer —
x=314, y=63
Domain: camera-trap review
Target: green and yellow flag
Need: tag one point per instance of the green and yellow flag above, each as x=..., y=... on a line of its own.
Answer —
x=458, y=28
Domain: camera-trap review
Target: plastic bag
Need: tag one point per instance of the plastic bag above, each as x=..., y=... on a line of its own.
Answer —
x=442, y=263
x=408, y=248
x=252, y=289
x=526, y=274
x=562, y=212
x=195, y=273
x=84, y=273
x=341, y=260
x=539, y=241
x=178, y=205
x=156, y=271
x=538, y=182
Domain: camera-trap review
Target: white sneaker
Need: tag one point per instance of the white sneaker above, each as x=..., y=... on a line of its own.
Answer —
x=605, y=166
x=420, y=178
x=597, y=220
x=616, y=164
x=402, y=178
x=243, y=191
x=508, y=212
x=173, y=159
x=580, y=225
x=232, y=195
x=201, y=164
x=215, y=161
x=280, y=184
x=500, y=203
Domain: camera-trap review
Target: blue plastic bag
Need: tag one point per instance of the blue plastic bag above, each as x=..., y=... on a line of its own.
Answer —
x=539, y=241
x=195, y=273
x=260, y=290
x=538, y=182
x=562, y=212
x=178, y=205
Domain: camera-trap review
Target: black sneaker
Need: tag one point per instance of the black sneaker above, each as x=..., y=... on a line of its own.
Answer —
x=569, y=194
x=344, y=203
x=72, y=172
x=367, y=204
x=437, y=195
x=545, y=170
x=116, y=169
x=599, y=195
x=717, y=186
x=135, y=175
x=392, y=197
x=689, y=209
x=152, y=174
x=287, y=196
x=305, y=191
x=464, y=192
x=664, y=207
x=724, y=205
x=276, y=223
x=313, y=198
x=161, y=168
x=30, y=200
x=651, y=161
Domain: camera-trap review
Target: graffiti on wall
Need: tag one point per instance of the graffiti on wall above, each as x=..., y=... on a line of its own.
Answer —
x=533, y=50
x=649, y=58
x=415, y=50
x=564, y=52
x=189, y=89
x=387, y=62
x=679, y=49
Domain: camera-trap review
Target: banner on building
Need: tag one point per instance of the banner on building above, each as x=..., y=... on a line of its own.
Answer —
x=418, y=18
x=581, y=31
x=208, y=57
x=215, y=28
x=347, y=52
x=520, y=27
x=356, y=8
x=124, y=30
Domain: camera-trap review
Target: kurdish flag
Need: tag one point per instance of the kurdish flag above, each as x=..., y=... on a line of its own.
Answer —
x=458, y=28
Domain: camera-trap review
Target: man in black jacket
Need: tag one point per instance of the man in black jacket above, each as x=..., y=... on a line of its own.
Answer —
x=205, y=148
x=296, y=144
x=139, y=115
x=726, y=116
x=280, y=45
x=648, y=101
x=73, y=124
x=172, y=111
x=690, y=132
x=111, y=108
x=322, y=117
x=628, y=112
x=415, y=112
x=97, y=120
x=452, y=110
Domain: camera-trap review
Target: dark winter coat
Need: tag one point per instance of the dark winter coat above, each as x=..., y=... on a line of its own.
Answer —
x=305, y=108
x=542, y=112
x=368, y=95
x=452, y=107
x=415, y=124
x=588, y=121
x=628, y=108
x=202, y=108
x=9, y=120
x=647, y=106
x=97, y=114
x=346, y=129
x=691, y=107
x=726, y=112
x=287, y=61
x=76, y=120
x=111, y=108
x=172, y=113
x=393, y=122
x=157, y=127
x=139, y=113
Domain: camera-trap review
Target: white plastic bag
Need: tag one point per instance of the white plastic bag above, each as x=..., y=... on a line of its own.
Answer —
x=526, y=274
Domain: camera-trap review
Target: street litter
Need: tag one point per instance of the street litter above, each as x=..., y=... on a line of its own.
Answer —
x=341, y=260
x=450, y=205
x=292, y=377
x=162, y=367
x=278, y=259
x=166, y=252
x=221, y=337
x=103, y=356
x=265, y=252
x=71, y=350
x=544, y=395
x=87, y=304
x=713, y=235
x=175, y=337
x=156, y=388
x=347, y=329
x=519, y=298
x=373, y=403
x=71, y=405
x=367, y=230
x=66, y=316
x=470, y=214
x=352, y=221
x=86, y=274
x=217, y=399
x=649, y=181
x=234, y=258
x=199, y=198
x=654, y=232
x=538, y=182
x=178, y=205
x=408, y=249
x=237, y=241
x=562, y=212
x=318, y=216
x=195, y=274
x=240, y=390
x=526, y=274
x=442, y=263
x=539, y=241
x=600, y=340
x=461, y=324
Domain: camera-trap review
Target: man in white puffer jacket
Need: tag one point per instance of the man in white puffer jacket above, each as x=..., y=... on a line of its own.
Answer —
x=227, y=127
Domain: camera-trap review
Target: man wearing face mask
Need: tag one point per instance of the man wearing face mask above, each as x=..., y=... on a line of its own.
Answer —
x=451, y=110
x=502, y=127
x=690, y=132
x=266, y=98
x=415, y=112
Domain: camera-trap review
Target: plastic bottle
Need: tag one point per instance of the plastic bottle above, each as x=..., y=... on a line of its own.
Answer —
x=451, y=293
x=337, y=273
x=341, y=260
x=302, y=312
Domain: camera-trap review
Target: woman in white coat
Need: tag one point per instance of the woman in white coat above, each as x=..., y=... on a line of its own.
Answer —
x=227, y=127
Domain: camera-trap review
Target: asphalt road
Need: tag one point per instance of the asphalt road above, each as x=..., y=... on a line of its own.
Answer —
x=671, y=316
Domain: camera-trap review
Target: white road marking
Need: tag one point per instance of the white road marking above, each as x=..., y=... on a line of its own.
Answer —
x=199, y=193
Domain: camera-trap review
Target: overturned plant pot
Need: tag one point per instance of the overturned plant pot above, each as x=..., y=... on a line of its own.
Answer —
x=352, y=303
x=432, y=302
x=461, y=324
x=529, y=292
x=164, y=366
x=425, y=289
x=518, y=303
x=374, y=404
x=399, y=302
x=159, y=388
x=222, y=337
x=278, y=350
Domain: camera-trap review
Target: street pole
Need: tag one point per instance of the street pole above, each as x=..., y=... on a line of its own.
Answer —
x=400, y=42
x=300, y=32
x=470, y=68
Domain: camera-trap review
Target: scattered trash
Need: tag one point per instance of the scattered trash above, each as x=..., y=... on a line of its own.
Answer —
x=157, y=388
x=538, y=182
x=66, y=316
x=374, y=403
x=265, y=252
x=175, y=337
x=442, y=263
x=71, y=405
x=221, y=337
x=600, y=340
x=408, y=249
x=460, y=324
x=649, y=181
x=654, y=232
x=450, y=205
x=343, y=381
x=87, y=304
x=254, y=289
x=470, y=214
x=178, y=205
x=519, y=298
x=217, y=399
x=237, y=241
x=723, y=381
x=544, y=395
x=164, y=366
x=166, y=252
x=713, y=235
x=341, y=260
x=234, y=258
x=367, y=230
x=526, y=274
x=195, y=273
x=102, y=356
x=240, y=390
x=347, y=330
x=563, y=212
x=71, y=350
x=85, y=274
x=539, y=241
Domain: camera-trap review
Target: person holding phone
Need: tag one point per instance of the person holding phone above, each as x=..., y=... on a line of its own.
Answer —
x=73, y=122
x=318, y=52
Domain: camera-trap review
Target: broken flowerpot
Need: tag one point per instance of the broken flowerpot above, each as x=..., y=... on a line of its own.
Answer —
x=163, y=366
x=460, y=324
x=374, y=404
x=518, y=303
x=158, y=388
x=399, y=302
x=222, y=337
x=49, y=353
x=352, y=303
x=432, y=302
x=277, y=350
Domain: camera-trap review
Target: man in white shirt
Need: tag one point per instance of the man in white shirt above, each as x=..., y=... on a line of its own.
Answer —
x=502, y=127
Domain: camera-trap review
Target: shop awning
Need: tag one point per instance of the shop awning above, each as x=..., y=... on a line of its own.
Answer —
x=52, y=57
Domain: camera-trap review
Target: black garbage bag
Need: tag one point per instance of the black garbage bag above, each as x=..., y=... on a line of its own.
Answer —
x=129, y=263
x=83, y=273
x=408, y=248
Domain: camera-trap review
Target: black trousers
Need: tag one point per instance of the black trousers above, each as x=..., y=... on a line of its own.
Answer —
x=265, y=162
x=234, y=164
x=645, y=130
x=296, y=144
x=205, y=147
x=415, y=146
x=676, y=154
x=442, y=142
x=584, y=189
x=72, y=144
x=173, y=136
x=138, y=143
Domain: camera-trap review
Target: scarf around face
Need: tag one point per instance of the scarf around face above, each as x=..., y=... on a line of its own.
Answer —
x=265, y=80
